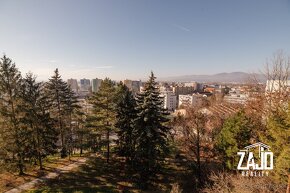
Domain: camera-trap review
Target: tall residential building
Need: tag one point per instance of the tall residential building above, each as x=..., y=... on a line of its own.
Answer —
x=73, y=83
x=169, y=100
x=133, y=85
x=85, y=84
x=96, y=83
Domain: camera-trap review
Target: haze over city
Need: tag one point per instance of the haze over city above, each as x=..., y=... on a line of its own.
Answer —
x=128, y=39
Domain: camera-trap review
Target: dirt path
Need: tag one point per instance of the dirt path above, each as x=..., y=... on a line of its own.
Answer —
x=51, y=175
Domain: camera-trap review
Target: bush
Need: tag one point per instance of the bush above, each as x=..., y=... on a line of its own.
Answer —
x=226, y=182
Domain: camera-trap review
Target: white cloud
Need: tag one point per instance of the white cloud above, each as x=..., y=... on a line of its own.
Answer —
x=182, y=28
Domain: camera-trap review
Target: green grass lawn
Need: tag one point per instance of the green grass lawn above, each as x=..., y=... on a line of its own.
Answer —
x=98, y=176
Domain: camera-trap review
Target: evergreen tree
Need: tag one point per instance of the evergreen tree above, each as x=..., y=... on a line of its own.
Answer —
x=57, y=91
x=103, y=112
x=72, y=110
x=126, y=115
x=82, y=132
x=277, y=135
x=234, y=135
x=151, y=139
x=42, y=135
x=14, y=134
x=93, y=134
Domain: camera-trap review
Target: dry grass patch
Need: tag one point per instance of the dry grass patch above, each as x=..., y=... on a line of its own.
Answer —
x=9, y=180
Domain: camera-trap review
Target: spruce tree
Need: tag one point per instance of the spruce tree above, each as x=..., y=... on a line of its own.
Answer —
x=126, y=115
x=103, y=112
x=57, y=91
x=14, y=134
x=42, y=135
x=151, y=139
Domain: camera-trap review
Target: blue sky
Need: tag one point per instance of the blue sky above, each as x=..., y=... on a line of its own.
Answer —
x=128, y=38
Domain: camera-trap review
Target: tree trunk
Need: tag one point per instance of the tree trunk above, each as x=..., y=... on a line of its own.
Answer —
x=40, y=161
x=63, y=149
x=288, y=187
x=198, y=156
x=108, y=146
x=81, y=146
x=20, y=164
x=38, y=147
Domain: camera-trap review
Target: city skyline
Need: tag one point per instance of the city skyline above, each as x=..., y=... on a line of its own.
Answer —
x=89, y=39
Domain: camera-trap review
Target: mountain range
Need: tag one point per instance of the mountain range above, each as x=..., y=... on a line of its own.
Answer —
x=232, y=77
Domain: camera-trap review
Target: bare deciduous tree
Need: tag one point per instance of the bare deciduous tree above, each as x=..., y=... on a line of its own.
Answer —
x=192, y=135
x=269, y=104
x=277, y=72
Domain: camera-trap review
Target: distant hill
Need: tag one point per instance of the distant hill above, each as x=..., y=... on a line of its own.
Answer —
x=233, y=77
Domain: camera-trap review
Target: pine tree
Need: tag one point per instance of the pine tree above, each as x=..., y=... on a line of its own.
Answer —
x=42, y=135
x=103, y=113
x=235, y=135
x=151, y=139
x=82, y=132
x=277, y=135
x=57, y=91
x=10, y=81
x=126, y=115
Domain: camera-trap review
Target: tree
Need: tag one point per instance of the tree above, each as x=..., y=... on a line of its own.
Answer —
x=72, y=113
x=277, y=113
x=277, y=73
x=126, y=115
x=103, y=112
x=277, y=135
x=270, y=111
x=10, y=82
x=151, y=139
x=57, y=91
x=82, y=132
x=194, y=137
x=235, y=135
x=41, y=134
